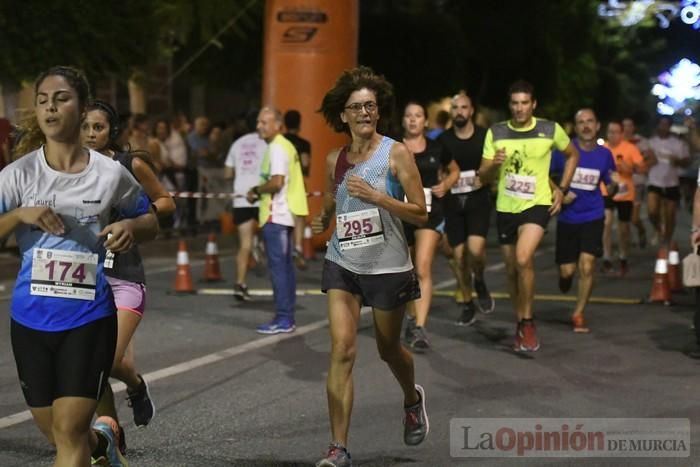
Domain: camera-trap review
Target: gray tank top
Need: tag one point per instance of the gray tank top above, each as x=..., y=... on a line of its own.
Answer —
x=367, y=238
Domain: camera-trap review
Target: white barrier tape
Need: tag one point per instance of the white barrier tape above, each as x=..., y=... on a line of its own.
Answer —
x=203, y=195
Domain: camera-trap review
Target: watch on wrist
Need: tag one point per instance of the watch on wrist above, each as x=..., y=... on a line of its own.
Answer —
x=564, y=191
x=255, y=190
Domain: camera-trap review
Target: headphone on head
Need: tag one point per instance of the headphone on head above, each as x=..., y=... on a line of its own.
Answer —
x=112, y=117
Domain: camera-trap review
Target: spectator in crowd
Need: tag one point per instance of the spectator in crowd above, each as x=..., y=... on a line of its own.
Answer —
x=292, y=121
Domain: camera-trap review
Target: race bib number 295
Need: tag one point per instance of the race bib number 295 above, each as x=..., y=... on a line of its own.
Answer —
x=359, y=229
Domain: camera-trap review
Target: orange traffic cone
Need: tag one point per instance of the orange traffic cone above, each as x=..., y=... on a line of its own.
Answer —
x=308, y=248
x=675, y=281
x=212, y=271
x=183, y=276
x=660, y=291
x=227, y=225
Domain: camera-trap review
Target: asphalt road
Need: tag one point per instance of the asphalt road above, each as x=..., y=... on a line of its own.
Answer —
x=229, y=397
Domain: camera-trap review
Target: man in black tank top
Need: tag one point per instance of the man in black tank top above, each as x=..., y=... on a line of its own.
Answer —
x=467, y=209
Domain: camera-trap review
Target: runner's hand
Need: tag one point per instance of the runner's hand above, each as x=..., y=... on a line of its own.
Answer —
x=359, y=188
x=439, y=190
x=500, y=156
x=122, y=238
x=569, y=198
x=43, y=217
x=320, y=223
x=557, y=198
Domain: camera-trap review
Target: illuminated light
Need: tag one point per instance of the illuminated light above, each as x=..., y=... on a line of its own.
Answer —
x=631, y=13
x=664, y=109
x=677, y=86
x=600, y=141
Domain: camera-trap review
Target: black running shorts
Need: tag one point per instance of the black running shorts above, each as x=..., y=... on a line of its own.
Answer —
x=72, y=363
x=382, y=291
x=508, y=223
x=467, y=215
x=671, y=193
x=624, y=208
x=574, y=239
x=243, y=215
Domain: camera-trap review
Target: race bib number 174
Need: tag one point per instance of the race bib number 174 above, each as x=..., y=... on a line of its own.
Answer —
x=65, y=274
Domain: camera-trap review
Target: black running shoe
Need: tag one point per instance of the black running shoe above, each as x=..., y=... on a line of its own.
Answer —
x=484, y=301
x=468, y=316
x=240, y=292
x=141, y=404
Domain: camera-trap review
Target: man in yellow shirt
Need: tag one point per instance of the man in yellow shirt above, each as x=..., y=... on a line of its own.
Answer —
x=282, y=196
x=518, y=153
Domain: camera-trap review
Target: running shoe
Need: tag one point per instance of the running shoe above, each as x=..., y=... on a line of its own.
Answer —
x=579, y=324
x=415, y=424
x=410, y=329
x=530, y=342
x=277, y=326
x=241, y=293
x=623, y=267
x=518, y=340
x=565, y=283
x=142, y=406
x=484, y=301
x=108, y=429
x=337, y=456
x=420, y=341
x=468, y=316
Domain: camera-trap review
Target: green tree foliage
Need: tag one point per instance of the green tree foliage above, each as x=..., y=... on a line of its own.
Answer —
x=99, y=37
x=430, y=49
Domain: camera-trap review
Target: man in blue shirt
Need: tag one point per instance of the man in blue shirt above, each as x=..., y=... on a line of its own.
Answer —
x=580, y=223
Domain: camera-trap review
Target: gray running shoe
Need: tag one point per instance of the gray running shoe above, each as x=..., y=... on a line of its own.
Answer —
x=468, y=316
x=420, y=341
x=484, y=301
x=415, y=424
x=337, y=456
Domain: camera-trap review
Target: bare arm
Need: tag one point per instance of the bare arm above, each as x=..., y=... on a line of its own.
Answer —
x=403, y=166
x=229, y=173
x=448, y=182
x=154, y=189
x=572, y=157
x=323, y=220
x=126, y=232
x=42, y=217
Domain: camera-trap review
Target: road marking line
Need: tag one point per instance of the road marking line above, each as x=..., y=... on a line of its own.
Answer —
x=20, y=417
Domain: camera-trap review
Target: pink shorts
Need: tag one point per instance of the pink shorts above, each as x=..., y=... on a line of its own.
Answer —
x=129, y=296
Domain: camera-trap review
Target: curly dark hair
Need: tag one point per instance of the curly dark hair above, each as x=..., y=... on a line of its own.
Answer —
x=352, y=80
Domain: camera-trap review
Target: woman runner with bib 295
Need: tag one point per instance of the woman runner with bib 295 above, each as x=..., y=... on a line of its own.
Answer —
x=368, y=262
x=58, y=199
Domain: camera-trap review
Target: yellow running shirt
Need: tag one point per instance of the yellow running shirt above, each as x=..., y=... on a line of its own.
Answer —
x=523, y=180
